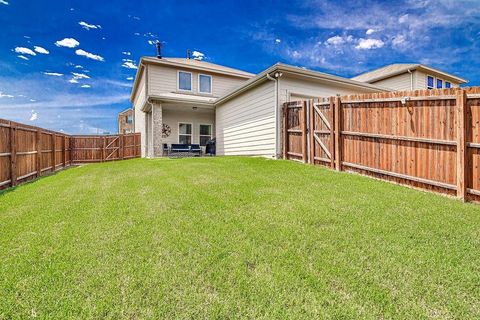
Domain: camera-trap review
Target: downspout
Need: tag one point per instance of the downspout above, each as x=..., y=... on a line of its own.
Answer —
x=275, y=79
x=411, y=79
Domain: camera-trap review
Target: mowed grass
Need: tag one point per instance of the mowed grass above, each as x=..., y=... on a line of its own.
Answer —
x=233, y=238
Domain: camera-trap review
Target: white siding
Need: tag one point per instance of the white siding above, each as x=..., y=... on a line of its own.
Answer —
x=246, y=123
x=196, y=118
x=163, y=79
x=399, y=82
x=139, y=117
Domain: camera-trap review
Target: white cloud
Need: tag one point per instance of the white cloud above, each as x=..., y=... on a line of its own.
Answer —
x=32, y=100
x=4, y=2
x=55, y=74
x=23, y=57
x=67, y=42
x=130, y=78
x=41, y=50
x=129, y=65
x=403, y=18
x=370, y=31
x=85, y=86
x=4, y=95
x=197, y=55
x=152, y=42
x=80, y=75
x=88, y=26
x=78, y=66
x=73, y=80
x=336, y=40
x=127, y=53
x=399, y=41
x=89, y=55
x=33, y=115
x=23, y=50
x=278, y=40
x=367, y=44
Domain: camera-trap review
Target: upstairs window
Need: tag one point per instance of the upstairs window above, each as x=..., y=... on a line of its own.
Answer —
x=439, y=83
x=429, y=82
x=130, y=119
x=204, y=83
x=448, y=85
x=184, y=81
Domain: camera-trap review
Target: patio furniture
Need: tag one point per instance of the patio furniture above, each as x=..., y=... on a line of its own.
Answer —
x=185, y=150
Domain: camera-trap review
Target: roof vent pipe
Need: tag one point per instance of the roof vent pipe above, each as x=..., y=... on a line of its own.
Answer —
x=159, y=50
x=189, y=54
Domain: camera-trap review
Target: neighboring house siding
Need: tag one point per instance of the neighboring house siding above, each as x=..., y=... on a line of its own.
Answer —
x=163, y=79
x=172, y=118
x=399, y=82
x=245, y=124
x=139, y=117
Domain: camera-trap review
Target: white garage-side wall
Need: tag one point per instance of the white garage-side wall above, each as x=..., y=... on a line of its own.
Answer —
x=245, y=124
x=399, y=82
x=291, y=87
x=139, y=120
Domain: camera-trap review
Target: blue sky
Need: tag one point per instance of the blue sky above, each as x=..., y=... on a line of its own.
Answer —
x=68, y=65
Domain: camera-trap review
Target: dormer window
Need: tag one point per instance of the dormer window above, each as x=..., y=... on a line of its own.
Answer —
x=204, y=83
x=184, y=81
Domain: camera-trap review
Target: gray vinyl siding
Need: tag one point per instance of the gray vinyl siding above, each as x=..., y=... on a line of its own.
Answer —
x=163, y=79
x=245, y=124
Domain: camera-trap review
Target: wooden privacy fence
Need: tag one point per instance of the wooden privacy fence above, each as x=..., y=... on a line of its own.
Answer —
x=426, y=138
x=27, y=152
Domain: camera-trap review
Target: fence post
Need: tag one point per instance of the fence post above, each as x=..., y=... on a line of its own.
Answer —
x=461, y=106
x=64, y=151
x=338, y=133
x=304, y=132
x=13, y=154
x=332, y=133
x=38, y=158
x=103, y=148
x=311, y=131
x=54, y=151
x=121, y=151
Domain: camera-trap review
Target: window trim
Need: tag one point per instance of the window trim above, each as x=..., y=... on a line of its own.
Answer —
x=433, y=84
x=184, y=134
x=204, y=135
x=211, y=83
x=436, y=83
x=178, y=81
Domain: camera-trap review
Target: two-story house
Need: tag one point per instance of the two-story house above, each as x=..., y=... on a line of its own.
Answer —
x=180, y=100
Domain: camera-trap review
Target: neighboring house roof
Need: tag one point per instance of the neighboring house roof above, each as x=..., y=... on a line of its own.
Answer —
x=126, y=110
x=399, y=68
x=281, y=67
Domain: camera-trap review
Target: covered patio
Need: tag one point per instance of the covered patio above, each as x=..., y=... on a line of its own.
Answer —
x=173, y=119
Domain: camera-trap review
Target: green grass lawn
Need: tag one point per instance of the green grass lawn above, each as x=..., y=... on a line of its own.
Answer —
x=233, y=238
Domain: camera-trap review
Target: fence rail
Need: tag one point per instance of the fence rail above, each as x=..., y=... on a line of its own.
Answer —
x=426, y=138
x=27, y=152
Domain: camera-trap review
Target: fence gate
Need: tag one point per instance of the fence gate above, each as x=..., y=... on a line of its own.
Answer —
x=295, y=131
x=321, y=132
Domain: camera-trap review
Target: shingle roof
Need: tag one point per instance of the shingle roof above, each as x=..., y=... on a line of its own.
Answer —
x=199, y=64
x=385, y=72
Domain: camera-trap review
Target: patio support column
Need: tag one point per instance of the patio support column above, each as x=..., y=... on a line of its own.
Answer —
x=157, y=129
